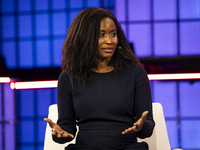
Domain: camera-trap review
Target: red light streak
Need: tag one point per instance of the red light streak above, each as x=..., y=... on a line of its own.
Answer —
x=34, y=84
x=4, y=79
x=178, y=76
x=53, y=83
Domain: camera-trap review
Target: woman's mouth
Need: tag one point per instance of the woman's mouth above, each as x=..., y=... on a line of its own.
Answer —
x=108, y=50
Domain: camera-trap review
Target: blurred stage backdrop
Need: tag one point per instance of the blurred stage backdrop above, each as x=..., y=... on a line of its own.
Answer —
x=164, y=35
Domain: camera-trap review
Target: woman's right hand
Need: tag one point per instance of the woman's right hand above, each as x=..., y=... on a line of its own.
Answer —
x=57, y=130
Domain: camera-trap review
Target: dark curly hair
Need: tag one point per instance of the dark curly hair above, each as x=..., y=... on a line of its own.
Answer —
x=80, y=47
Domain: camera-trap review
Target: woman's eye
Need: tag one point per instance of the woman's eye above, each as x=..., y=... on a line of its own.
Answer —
x=102, y=34
x=113, y=34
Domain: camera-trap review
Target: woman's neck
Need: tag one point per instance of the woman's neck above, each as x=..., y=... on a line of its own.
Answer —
x=102, y=66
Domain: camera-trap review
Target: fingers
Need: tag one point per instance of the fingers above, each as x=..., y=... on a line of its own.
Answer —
x=131, y=130
x=62, y=134
x=144, y=115
x=128, y=131
x=143, y=118
x=47, y=120
x=58, y=134
x=57, y=130
x=65, y=134
x=51, y=123
x=69, y=135
x=138, y=125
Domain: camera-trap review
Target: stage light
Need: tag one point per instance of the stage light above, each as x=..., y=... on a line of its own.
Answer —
x=34, y=84
x=53, y=83
x=178, y=76
x=4, y=79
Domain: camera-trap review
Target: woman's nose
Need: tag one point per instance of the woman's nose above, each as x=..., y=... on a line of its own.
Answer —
x=108, y=40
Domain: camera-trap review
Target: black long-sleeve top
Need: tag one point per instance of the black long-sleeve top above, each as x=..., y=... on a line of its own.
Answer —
x=113, y=102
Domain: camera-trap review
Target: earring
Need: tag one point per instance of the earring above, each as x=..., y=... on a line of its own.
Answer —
x=119, y=47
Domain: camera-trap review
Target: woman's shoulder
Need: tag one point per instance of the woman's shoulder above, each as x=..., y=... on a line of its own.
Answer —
x=63, y=75
x=63, y=78
x=135, y=69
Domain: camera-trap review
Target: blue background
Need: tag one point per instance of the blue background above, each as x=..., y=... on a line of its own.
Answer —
x=32, y=33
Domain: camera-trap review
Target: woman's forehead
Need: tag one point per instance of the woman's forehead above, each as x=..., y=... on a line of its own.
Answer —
x=107, y=23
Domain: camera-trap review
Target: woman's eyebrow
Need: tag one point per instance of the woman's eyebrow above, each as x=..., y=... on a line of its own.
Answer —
x=110, y=31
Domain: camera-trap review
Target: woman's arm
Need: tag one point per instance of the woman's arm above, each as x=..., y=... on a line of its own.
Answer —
x=66, y=114
x=144, y=125
x=143, y=102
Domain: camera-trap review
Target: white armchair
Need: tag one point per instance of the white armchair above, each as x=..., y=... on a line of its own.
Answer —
x=158, y=141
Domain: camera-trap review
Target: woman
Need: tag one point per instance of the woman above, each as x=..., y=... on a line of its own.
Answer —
x=103, y=89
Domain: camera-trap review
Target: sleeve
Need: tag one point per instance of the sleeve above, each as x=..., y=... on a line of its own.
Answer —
x=66, y=114
x=143, y=102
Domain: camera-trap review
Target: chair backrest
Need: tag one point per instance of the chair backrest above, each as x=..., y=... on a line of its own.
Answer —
x=158, y=141
x=49, y=144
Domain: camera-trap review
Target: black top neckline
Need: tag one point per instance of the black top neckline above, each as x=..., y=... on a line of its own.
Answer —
x=103, y=72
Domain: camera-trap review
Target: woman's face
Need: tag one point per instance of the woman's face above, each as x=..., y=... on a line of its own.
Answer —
x=108, y=39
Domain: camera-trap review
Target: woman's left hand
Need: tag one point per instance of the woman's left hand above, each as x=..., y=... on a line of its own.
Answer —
x=137, y=126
